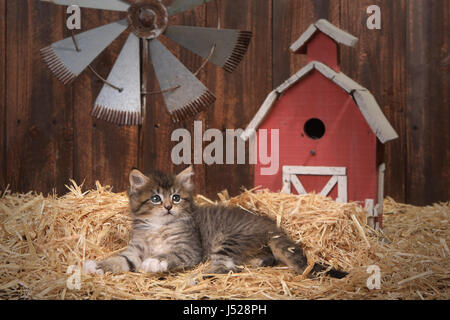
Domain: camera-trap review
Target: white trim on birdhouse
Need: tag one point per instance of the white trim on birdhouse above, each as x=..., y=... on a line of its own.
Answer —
x=338, y=176
x=342, y=189
x=304, y=38
x=374, y=116
x=377, y=212
x=363, y=98
x=296, y=77
x=260, y=115
x=368, y=207
x=329, y=186
x=338, y=35
x=381, y=171
x=315, y=171
x=297, y=184
x=340, y=79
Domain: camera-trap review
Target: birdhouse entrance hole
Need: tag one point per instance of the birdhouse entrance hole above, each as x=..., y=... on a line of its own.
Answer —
x=314, y=128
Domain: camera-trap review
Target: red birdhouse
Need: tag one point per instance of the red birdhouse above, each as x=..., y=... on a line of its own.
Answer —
x=331, y=130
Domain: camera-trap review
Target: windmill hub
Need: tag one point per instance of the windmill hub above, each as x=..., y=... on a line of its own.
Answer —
x=148, y=18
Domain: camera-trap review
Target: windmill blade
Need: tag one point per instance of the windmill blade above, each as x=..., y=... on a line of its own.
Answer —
x=183, y=93
x=67, y=63
x=112, y=5
x=179, y=6
x=230, y=46
x=122, y=107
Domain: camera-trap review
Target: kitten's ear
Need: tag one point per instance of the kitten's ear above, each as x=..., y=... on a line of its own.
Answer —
x=137, y=179
x=184, y=178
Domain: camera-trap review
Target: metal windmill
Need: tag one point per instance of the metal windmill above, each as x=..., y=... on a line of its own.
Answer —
x=120, y=100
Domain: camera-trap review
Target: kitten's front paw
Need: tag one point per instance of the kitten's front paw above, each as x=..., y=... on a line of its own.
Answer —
x=91, y=267
x=154, y=265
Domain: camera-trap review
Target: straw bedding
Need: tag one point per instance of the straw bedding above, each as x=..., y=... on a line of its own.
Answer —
x=42, y=236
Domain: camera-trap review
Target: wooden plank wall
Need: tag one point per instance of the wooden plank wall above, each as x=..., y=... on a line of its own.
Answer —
x=2, y=94
x=47, y=135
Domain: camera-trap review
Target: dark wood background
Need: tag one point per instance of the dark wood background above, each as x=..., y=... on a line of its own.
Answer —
x=47, y=135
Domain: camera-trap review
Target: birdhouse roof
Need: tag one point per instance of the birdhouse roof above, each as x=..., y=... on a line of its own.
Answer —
x=327, y=28
x=363, y=98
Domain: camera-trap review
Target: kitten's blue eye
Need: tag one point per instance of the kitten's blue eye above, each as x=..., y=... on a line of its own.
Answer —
x=176, y=198
x=155, y=199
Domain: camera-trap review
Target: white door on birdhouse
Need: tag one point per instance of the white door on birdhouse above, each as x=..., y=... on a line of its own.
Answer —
x=338, y=176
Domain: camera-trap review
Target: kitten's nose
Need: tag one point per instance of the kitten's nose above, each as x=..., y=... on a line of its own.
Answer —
x=168, y=206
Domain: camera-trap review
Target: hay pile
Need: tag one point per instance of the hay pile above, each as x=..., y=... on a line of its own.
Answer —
x=40, y=237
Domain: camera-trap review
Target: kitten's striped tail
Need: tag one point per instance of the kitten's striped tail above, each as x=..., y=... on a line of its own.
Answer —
x=286, y=251
x=334, y=273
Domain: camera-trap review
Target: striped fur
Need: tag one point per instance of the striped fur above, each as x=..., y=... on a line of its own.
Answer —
x=233, y=237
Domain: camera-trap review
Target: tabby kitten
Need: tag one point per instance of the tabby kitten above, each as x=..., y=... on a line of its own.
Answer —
x=164, y=235
x=170, y=233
